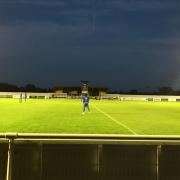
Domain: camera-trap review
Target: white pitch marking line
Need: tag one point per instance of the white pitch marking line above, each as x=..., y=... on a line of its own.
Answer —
x=116, y=121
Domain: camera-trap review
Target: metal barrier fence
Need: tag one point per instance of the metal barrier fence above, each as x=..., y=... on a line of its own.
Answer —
x=88, y=157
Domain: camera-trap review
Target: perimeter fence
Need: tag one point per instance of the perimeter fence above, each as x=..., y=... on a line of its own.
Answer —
x=88, y=157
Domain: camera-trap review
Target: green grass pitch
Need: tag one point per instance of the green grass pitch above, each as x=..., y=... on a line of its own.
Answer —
x=106, y=117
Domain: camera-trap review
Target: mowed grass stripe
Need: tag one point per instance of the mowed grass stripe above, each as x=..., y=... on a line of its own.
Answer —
x=116, y=121
x=64, y=116
x=53, y=116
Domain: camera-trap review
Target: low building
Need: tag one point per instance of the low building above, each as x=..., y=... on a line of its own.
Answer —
x=70, y=91
x=77, y=91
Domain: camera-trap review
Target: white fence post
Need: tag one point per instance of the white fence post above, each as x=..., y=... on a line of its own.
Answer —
x=9, y=160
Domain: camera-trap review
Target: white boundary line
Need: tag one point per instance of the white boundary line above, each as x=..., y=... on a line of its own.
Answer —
x=116, y=121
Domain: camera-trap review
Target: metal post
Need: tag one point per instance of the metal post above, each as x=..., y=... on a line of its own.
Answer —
x=157, y=161
x=9, y=160
x=41, y=159
x=100, y=146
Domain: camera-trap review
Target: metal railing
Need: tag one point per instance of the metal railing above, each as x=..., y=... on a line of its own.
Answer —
x=102, y=145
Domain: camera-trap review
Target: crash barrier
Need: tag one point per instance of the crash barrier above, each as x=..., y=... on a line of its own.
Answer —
x=88, y=157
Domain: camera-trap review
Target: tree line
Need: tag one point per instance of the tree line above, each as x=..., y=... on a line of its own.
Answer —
x=5, y=87
x=165, y=90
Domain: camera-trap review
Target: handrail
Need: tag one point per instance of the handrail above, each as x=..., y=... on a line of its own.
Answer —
x=103, y=137
x=97, y=139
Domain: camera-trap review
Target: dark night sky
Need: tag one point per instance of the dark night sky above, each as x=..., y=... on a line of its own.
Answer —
x=120, y=44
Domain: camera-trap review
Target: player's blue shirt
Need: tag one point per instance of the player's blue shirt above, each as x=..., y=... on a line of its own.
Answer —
x=85, y=99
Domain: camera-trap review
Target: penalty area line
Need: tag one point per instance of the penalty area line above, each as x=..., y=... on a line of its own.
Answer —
x=116, y=121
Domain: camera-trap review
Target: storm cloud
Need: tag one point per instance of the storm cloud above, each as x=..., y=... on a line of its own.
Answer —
x=120, y=44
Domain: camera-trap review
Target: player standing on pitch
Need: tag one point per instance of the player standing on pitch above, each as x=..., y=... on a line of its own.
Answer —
x=20, y=98
x=25, y=96
x=85, y=100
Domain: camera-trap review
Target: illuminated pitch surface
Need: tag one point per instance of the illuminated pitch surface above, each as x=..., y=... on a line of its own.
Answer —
x=106, y=117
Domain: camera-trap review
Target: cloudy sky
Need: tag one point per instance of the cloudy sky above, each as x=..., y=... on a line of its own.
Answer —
x=120, y=44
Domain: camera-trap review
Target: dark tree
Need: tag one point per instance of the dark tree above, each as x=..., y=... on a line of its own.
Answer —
x=166, y=91
x=4, y=87
x=30, y=88
x=133, y=91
